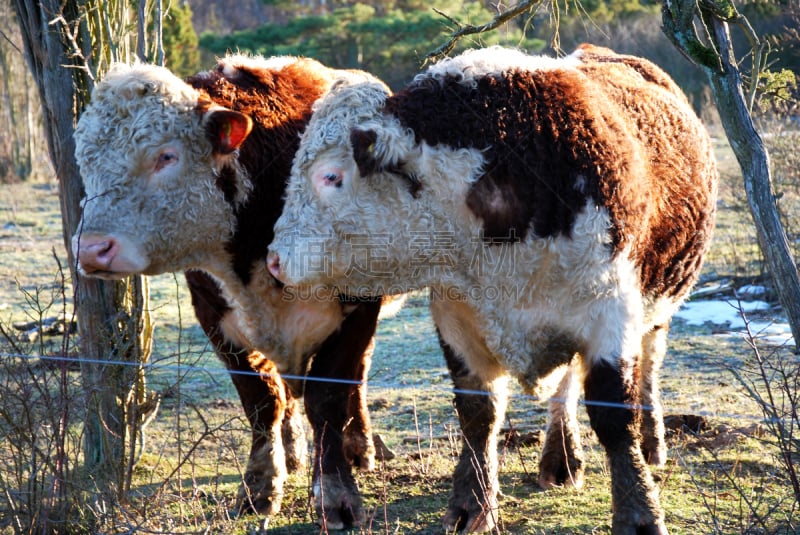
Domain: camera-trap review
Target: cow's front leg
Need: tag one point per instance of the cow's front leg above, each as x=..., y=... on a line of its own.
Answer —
x=611, y=401
x=357, y=442
x=336, y=406
x=561, y=462
x=263, y=399
x=481, y=406
x=293, y=433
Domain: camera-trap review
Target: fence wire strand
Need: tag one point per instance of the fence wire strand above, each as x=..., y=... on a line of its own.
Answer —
x=155, y=366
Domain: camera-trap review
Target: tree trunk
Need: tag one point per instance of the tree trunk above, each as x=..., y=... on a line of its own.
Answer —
x=720, y=65
x=113, y=317
x=754, y=161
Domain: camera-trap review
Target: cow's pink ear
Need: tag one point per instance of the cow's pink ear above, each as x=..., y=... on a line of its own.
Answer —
x=364, y=152
x=227, y=129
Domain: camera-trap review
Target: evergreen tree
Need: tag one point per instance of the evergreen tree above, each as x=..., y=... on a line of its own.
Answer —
x=181, y=44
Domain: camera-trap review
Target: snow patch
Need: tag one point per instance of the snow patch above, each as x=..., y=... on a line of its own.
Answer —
x=751, y=291
x=729, y=313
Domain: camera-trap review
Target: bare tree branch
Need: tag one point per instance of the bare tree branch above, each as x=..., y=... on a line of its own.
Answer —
x=10, y=42
x=158, y=19
x=462, y=30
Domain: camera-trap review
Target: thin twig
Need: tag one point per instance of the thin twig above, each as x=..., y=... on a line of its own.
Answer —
x=10, y=42
x=769, y=406
x=8, y=338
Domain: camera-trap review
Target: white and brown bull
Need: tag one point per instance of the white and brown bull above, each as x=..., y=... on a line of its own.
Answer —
x=554, y=207
x=190, y=176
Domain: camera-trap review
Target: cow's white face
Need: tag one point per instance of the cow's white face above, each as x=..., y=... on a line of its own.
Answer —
x=150, y=153
x=367, y=207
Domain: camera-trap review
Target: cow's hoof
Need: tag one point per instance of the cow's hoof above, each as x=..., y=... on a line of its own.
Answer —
x=359, y=450
x=557, y=471
x=654, y=527
x=338, y=503
x=263, y=499
x=382, y=451
x=459, y=520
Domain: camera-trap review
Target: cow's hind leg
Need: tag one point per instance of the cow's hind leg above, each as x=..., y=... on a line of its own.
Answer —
x=611, y=400
x=335, y=399
x=561, y=462
x=654, y=347
x=481, y=406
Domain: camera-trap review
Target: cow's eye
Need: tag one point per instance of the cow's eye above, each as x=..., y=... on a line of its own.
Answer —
x=327, y=178
x=166, y=158
x=333, y=179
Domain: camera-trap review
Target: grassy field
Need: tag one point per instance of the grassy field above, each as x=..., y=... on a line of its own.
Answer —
x=726, y=478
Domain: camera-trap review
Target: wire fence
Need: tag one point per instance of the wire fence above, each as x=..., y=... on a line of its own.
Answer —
x=384, y=385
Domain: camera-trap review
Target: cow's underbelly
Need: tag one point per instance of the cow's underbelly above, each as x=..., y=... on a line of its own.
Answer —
x=602, y=320
x=537, y=352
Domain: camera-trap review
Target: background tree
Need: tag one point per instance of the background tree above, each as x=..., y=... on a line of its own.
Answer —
x=388, y=39
x=67, y=45
x=709, y=45
x=20, y=132
x=181, y=44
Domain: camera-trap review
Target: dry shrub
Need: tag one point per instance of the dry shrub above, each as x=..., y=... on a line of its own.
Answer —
x=41, y=407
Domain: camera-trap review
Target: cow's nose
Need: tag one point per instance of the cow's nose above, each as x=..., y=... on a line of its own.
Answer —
x=96, y=253
x=274, y=264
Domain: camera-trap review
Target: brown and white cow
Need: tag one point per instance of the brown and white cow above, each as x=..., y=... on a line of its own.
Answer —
x=553, y=206
x=190, y=176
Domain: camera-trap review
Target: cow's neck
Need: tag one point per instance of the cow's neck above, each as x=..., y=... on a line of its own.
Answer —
x=285, y=327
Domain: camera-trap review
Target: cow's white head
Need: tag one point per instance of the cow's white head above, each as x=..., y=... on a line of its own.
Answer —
x=367, y=205
x=154, y=154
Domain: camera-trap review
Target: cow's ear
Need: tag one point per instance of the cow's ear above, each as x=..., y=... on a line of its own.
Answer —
x=364, y=151
x=227, y=129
